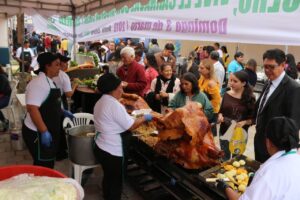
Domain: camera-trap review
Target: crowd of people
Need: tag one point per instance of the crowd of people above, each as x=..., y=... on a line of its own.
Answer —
x=224, y=88
x=34, y=44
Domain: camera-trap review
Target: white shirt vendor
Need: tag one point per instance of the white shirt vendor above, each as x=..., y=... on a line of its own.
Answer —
x=111, y=119
x=220, y=73
x=277, y=179
x=19, y=51
x=36, y=93
x=63, y=82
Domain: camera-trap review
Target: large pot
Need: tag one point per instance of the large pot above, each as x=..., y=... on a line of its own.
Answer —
x=81, y=147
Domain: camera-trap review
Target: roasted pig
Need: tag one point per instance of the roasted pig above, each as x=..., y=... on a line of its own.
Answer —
x=133, y=102
x=186, y=138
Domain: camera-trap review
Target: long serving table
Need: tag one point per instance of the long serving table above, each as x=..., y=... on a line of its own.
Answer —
x=156, y=177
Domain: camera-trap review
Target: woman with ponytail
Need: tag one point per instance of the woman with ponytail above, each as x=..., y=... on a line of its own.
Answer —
x=278, y=178
x=238, y=104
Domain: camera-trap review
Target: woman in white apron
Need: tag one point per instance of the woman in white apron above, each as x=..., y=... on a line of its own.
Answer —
x=113, y=125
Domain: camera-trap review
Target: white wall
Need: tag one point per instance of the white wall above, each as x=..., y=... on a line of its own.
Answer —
x=3, y=31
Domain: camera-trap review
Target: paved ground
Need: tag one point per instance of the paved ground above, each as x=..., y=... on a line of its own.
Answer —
x=10, y=156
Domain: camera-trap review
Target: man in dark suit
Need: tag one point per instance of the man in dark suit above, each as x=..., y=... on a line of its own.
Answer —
x=280, y=97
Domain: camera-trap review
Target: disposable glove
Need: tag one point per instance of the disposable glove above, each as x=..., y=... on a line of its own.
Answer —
x=46, y=138
x=68, y=114
x=148, y=117
x=221, y=185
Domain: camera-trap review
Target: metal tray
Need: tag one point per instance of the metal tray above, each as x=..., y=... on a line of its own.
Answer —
x=250, y=166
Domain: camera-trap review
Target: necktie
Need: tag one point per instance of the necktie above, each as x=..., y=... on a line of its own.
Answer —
x=264, y=98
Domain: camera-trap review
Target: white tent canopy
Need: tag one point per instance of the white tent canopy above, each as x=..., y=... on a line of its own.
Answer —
x=263, y=22
x=62, y=7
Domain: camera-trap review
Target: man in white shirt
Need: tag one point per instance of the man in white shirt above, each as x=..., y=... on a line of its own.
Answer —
x=218, y=67
x=27, y=54
x=217, y=48
x=105, y=45
x=111, y=50
x=62, y=81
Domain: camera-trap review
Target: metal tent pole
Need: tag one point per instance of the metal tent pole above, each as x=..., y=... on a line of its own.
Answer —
x=286, y=49
x=74, y=29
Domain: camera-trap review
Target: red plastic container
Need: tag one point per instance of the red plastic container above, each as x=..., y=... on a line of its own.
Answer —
x=13, y=170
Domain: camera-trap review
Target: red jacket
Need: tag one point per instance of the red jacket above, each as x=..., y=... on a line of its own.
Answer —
x=47, y=42
x=134, y=75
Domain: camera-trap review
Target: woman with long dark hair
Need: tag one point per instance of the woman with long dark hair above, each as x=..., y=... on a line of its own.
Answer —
x=250, y=68
x=5, y=92
x=225, y=57
x=291, y=67
x=238, y=104
x=151, y=71
x=189, y=91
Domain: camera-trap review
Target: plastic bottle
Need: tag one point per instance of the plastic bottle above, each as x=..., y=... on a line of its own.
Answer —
x=238, y=141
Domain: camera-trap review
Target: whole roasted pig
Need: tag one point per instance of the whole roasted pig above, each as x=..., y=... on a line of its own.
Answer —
x=186, y=137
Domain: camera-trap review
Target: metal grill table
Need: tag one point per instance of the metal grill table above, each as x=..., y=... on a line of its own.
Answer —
x=155, y=177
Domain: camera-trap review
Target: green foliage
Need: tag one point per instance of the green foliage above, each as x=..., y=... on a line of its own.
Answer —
x=73, y=63
x=94, y=55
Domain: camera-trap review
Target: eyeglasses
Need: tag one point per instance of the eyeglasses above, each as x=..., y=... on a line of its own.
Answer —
x=270, y=67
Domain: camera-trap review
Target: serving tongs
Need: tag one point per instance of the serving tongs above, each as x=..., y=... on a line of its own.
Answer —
x=213, y=180
x=153, y=134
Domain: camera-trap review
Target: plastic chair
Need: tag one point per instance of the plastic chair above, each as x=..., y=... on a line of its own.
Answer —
x=80, y=119
x=13, y=85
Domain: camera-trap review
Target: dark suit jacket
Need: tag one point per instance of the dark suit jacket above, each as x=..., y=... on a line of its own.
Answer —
x=284, y=101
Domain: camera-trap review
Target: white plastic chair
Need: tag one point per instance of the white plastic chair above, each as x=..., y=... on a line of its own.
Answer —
x=13, y=85
x=80, y=119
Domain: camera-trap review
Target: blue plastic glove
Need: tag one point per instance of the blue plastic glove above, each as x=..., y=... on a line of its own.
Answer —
x=46, y=138
x=148, y=117
x=68, y=114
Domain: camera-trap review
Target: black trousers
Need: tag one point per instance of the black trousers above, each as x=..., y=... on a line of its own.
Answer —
x=113, y=174
x=62, y=152
x=31, y=141
x=4, y=100
x=224, y=144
